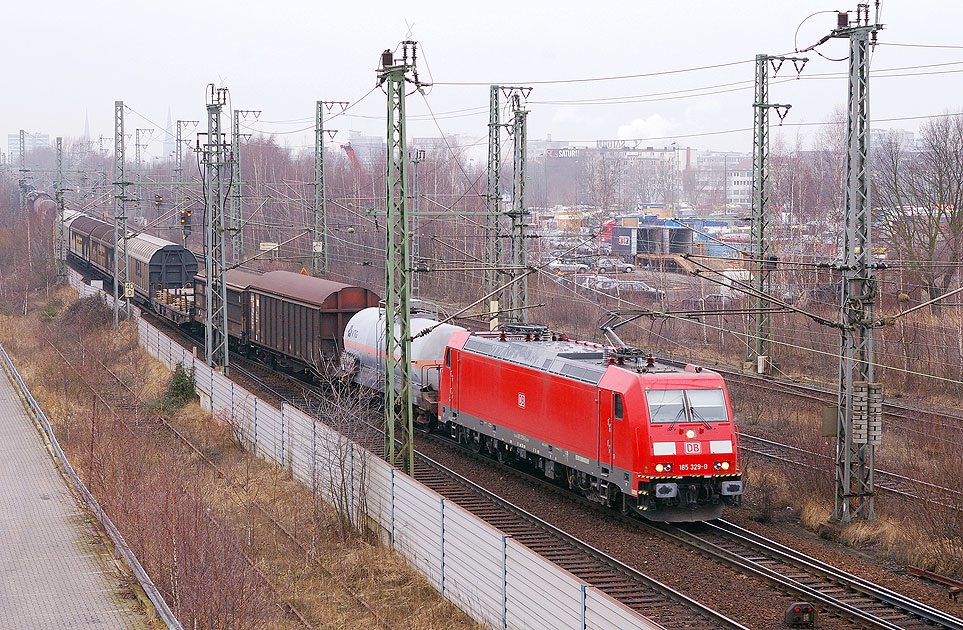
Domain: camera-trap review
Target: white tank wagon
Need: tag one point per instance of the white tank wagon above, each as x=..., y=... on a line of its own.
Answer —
x=363, y=358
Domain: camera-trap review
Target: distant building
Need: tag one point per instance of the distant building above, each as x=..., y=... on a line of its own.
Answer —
x=739, y=184
x=905, y=139
x=718, y=179
x=369, y=150
x=31, y=141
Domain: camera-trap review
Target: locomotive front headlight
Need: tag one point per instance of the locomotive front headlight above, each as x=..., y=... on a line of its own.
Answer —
x=690, y=434
x=659, y=468
x=725, y=465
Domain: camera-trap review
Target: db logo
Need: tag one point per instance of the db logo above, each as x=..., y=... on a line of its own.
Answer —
x=521, y=400
x=693, y=448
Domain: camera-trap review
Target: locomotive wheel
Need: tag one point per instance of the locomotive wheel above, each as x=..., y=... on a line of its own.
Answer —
x=474, y=443
x=624, y=506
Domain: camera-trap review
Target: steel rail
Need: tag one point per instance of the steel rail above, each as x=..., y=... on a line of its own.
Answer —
x=679, y=535
x=887, y=481
x=539, y=535
x=843, y=578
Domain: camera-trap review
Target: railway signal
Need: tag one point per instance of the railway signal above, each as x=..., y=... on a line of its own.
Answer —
x=158, y=200
x=186, y=220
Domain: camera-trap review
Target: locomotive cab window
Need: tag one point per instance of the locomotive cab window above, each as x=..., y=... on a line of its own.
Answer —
x=618, y=408
x=690, y=405
x=448, y=357
x=707, y=405
x=666, y=405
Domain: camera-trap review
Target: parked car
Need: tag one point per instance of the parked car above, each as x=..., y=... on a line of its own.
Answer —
x=567, y=266
x=634, y=287
x=615, y=265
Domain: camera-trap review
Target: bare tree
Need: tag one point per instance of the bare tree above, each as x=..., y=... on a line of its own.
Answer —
x=920, y=195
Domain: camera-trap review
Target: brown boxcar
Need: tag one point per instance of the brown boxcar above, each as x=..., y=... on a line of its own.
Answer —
x=237, y=281
x=301, y=319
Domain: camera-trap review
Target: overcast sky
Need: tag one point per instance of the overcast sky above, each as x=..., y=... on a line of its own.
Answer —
x=62, y=59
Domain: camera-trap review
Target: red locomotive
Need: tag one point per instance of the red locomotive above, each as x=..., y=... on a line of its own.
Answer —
x=632, y=433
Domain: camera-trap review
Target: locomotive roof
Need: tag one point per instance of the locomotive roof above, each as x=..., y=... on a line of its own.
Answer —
x=297, y=286
x=570, y=359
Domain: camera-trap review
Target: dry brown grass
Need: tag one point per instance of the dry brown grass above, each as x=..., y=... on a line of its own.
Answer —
x=340, y=581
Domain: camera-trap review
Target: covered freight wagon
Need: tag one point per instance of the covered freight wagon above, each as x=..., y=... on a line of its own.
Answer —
x=237, y=281
x=299, y=319
x=153, y=264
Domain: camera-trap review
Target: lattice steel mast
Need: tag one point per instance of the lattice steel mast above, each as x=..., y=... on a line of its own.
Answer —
x=215, y=294
x=179, y=171
x=518, y=290
x=859, y=410
x=60, y=246
x=120, y=213
x=237, y=199
x=394, y=76
x=22, y=182
x=493, y=246
x=319, y=234
x=415, y=157
x=759, y=342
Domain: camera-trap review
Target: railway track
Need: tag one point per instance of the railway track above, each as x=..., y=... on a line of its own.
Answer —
x=891, y=482
x=833, y=590
x=906, y=416
x=656, y=601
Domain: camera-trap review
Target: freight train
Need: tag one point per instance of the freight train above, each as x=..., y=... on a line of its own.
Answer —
x=627, y=431
x=630, y=432
x=154, y=265
x=293, y=321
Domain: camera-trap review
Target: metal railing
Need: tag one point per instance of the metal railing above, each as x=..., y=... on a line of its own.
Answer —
x=121, y=549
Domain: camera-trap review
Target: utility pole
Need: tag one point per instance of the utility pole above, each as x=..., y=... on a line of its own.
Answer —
x=859, y=408
x=60, y=248
x=518, y=291
x=415, y=157
x=859, y=424
x=138, y=145
x=319, y=235
x=394, y=76
x=23, y=172
x=759, y=342
x=237, y=212
x=120, y=214
x=179, y=171
x=138, y=167
x=493, y=203
x=215, y=294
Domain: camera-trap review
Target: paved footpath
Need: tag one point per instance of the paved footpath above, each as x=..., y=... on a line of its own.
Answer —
x=55, y=572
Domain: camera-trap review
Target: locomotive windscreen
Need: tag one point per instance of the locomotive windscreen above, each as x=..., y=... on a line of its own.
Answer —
x=689, y=405
x=708, y=405
x=666, y=405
